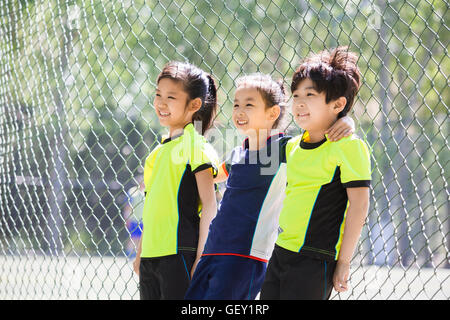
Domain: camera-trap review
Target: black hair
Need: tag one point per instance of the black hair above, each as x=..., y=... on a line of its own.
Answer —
x=197, y=84
x=335, y=72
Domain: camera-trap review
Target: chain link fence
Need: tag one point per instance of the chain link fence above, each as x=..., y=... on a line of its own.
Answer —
x=77, y=81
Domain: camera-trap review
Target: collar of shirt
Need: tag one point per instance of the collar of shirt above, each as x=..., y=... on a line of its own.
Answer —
x=245, y=144
x=188, y=127
x=311, y=145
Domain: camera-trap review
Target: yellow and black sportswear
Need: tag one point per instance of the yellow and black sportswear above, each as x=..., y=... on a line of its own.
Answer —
x=313, y=216
x=172, y=205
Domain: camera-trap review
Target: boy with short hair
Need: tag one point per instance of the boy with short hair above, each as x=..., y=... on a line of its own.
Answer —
x=327, y=193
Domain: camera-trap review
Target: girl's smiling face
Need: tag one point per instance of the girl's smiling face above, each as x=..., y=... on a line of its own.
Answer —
x=250, y=113
x=171, y=102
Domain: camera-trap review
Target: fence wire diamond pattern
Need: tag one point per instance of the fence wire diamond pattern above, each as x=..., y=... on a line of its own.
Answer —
x=77, y=80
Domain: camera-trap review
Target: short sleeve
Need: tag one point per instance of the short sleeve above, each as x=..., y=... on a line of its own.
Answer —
x=354, y=162
x=203, y=157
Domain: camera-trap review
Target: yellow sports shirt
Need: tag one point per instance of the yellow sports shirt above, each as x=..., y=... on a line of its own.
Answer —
x=313, y=216
x=172, y=205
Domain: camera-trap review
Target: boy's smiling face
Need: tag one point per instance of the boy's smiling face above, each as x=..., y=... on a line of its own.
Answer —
x=310, y=110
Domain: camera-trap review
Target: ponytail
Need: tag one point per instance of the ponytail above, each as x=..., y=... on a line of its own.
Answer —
x=207, y=111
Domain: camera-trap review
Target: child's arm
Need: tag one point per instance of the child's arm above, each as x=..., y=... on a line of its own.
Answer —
x=222, y=174
x=356, y=215
x=343, y=127
x=207, y=195
x=137, y=260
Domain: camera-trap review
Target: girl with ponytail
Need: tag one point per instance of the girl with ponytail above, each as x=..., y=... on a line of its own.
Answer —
x=178, y=177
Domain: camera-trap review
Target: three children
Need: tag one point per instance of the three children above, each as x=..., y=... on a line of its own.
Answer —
x=326, y=192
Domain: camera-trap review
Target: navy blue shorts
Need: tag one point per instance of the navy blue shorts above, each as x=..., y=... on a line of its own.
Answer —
x=226, y=277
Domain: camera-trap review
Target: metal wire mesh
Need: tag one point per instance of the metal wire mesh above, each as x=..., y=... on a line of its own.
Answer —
x=77, y=81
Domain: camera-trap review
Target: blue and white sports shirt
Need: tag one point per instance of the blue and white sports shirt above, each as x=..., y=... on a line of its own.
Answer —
x=246, y=223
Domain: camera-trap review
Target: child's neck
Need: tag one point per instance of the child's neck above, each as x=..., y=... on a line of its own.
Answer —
x=177, y=130
x=316, y=135
x=259, y=140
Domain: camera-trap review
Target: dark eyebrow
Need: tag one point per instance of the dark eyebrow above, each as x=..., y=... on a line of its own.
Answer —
x=307, y=88
x=170, y=92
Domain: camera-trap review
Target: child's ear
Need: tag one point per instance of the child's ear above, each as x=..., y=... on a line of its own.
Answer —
x=195, y=104
x=274, y=112
x=339, y=104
